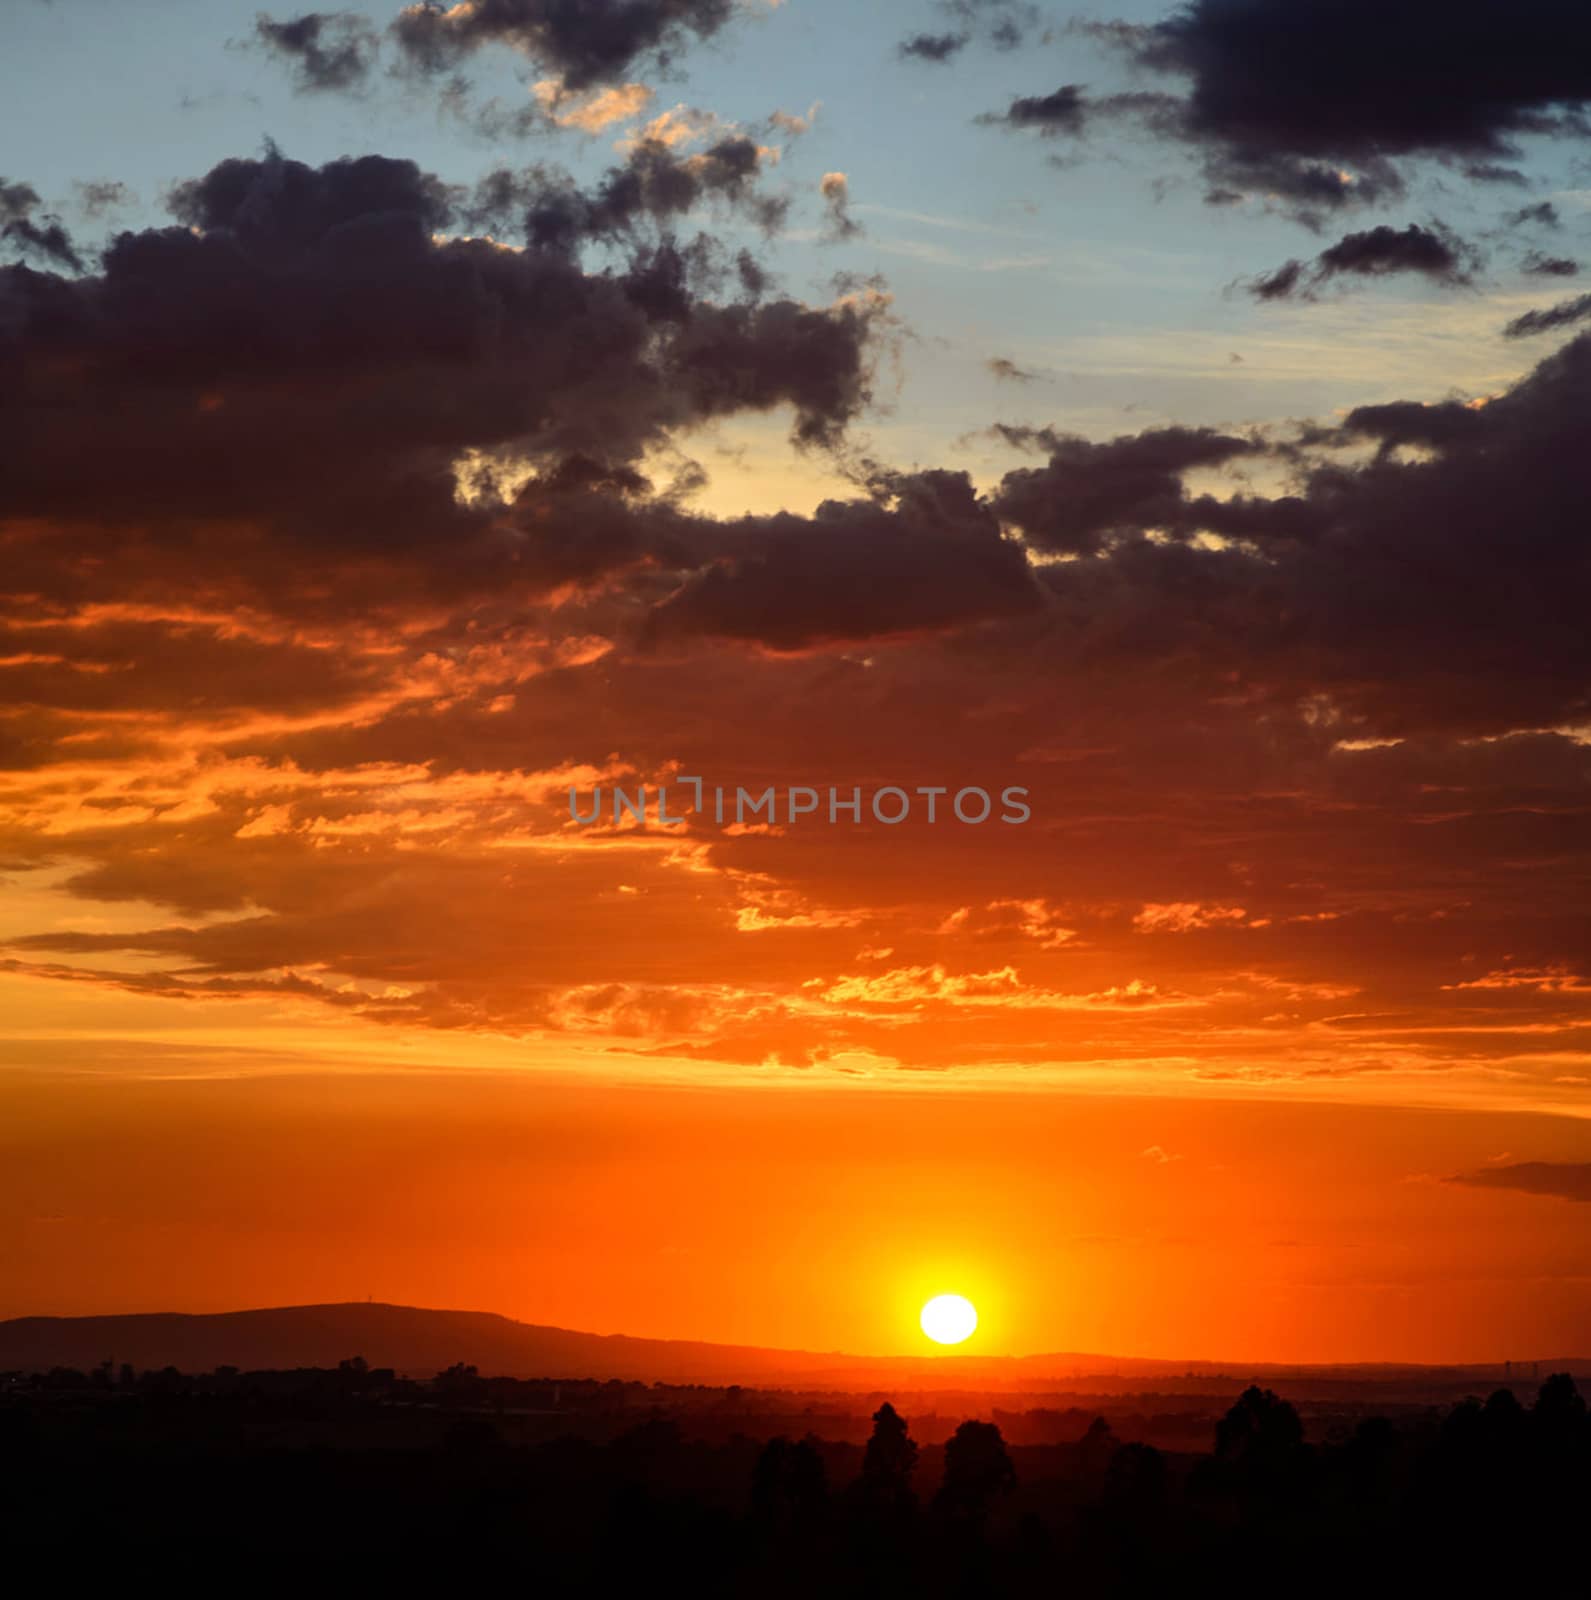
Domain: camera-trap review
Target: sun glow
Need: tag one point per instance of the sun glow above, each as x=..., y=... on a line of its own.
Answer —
x=949, y=1318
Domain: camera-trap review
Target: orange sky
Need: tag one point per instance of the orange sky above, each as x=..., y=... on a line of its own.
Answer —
x=797, y=1215
x=354, y=508
x=312, y=991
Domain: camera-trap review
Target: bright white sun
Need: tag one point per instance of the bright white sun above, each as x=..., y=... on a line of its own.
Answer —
x=949, y=1318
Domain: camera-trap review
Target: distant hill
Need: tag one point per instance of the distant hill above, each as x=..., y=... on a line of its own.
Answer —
x=422, y=1342
x=414, y=1341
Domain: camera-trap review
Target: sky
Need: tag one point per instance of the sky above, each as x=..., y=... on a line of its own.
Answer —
x=421, y=424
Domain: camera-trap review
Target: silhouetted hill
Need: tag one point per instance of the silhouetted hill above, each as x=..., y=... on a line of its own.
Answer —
x=406, y=1338
x=422, y=1342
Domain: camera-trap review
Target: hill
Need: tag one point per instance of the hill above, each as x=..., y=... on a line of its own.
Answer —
x=421, y=1342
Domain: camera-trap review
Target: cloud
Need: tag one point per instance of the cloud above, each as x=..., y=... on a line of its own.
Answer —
x=1066, y=110
x=97, y=197
x=1086, y=490
x=1544, y=266
x=794, y=123
x=836, y=191
x=1549, y=320
x=655, y=185
x=1542, y=214
x=1187, y=917
x=1031, y=919
x=594, y=42
x=44, y=239
x=928, y=558
x=324, y=326
x=328, y=51
x=1327, y=102
x=17, y=200
x=1003, y=24
x=1437, y=426
x=1004, y=368
x=1289, y=575
x=595, y=109
x=680, y=125
x=340, y=358
x=373, y=544
x=1557, y=980
x=935, y=47
x=1561, y=1180
x=1435, y=253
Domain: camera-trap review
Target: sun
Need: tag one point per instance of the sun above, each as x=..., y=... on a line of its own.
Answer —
x=949, y=1318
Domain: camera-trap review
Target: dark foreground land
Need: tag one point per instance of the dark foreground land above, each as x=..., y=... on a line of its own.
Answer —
x=357, y=1476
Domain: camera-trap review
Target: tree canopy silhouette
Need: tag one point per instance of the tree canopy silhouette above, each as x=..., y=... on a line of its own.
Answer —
x=1260, y=1430
x=890, y=1460
x=977, y=1469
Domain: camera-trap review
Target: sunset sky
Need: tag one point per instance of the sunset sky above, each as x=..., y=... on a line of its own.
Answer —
x=1180, y=415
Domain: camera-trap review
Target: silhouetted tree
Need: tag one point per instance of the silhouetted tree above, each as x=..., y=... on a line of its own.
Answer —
x=1137, y=1487
x=1260, y=1430
x=1562, y=1439
x=1097, y=1446
x=413, y=1475
x=1129, y=1531
x=977, y=1468
x=649, y=1452
x=889, y=1461
x=1559, y=1404
x=1369, y=1460
x=788, y=1486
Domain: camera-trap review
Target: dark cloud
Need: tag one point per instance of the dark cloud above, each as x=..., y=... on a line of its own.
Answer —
x=1432, y=252
x=1364, y=84
x=31, y=233
x=1543, y=214
x=1408, y=422
x=327, y=350
x=1086, y=491
x=1320, y=586
x=1285, y=281
x=1562, y=1180
x=282, y=388
x=1494, y=172
x=17, y=200
x=1324, y=104
x=584, y=43
x=328, y=50
x=1544, y=266
x=655, y=185
x=1002, y=24
x=1306, y=190
x=1435, y=253
x=1563, y=315
x=1066, y=111
x=926, y=556
x=1008, y=371
x=938, y=47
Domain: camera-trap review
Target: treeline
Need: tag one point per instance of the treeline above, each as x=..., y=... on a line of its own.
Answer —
x=207, y=1481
